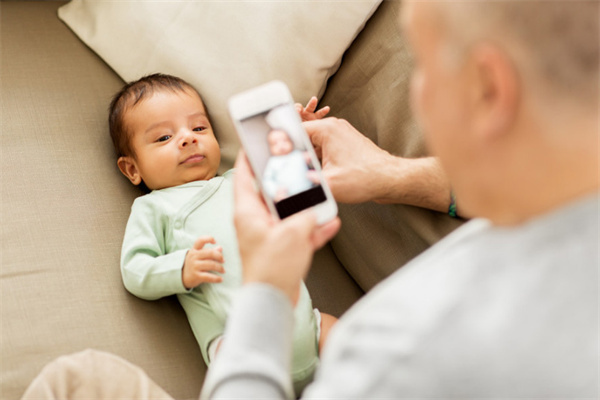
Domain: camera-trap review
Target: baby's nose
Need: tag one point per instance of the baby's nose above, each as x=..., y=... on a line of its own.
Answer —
x=188, y=138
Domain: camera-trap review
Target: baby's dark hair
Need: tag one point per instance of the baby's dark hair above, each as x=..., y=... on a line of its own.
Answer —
x=130, y=95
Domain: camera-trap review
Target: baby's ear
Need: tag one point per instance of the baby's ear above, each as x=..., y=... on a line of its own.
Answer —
x=129, y=168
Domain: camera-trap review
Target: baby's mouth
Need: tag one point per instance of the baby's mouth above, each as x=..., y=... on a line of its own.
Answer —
x=194, y=158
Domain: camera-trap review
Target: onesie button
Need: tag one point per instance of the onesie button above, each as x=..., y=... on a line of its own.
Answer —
x=178, y=225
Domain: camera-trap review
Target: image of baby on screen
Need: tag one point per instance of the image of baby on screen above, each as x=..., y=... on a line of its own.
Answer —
x=287, y=171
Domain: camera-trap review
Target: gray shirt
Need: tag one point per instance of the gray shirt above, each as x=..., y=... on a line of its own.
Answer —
x=489, y=311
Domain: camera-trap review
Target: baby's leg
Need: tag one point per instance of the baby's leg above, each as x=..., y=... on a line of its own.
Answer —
x=327, y=321
x=213, y=347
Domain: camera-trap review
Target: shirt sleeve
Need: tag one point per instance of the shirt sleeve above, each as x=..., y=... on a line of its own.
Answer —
x=148, y=271
x=255, y=358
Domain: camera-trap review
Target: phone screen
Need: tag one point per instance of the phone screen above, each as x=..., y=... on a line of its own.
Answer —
x=283, y=159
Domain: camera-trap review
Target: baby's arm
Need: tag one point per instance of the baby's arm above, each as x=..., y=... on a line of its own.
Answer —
x=200, y=263
x=149, y=271
x=308, y=113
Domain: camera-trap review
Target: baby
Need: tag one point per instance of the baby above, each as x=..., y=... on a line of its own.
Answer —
x=180, y=238
x=287, y=172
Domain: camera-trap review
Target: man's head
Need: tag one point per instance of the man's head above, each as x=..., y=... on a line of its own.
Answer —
x=162, y=134
x=279, y=142
x=507, y=95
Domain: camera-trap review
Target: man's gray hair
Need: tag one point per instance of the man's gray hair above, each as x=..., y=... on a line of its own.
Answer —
x=559, y=40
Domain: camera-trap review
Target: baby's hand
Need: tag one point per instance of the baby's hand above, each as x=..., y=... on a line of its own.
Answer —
x=200, y=263
x=308, y=113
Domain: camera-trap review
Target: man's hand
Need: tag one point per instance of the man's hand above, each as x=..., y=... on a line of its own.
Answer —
x=352, y=164
x=357, y=170
x=274, y=252
x=308, y=113
x=200, y=263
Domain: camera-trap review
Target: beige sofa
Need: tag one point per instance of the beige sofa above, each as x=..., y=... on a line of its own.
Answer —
x=65, y=205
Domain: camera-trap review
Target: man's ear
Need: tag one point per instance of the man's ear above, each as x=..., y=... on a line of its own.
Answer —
x=496, y=93
x=129, y=168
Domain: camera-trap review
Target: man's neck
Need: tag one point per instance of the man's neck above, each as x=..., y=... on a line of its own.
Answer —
x=552, y=175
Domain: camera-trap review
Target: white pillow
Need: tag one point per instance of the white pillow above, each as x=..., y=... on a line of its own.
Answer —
x=222, y=47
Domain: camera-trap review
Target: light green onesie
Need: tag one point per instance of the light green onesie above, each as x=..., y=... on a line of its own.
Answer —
x=163, y=225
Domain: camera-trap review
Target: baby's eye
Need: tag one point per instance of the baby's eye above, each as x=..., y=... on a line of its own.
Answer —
x=199, y=129
x=163, y=138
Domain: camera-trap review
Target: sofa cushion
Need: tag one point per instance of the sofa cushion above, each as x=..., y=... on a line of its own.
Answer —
x=64, y=209
x=222, y=47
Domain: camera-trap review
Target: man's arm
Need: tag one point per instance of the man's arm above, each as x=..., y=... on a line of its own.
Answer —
x=255, y=358
x=417, y=182
x=357, y=170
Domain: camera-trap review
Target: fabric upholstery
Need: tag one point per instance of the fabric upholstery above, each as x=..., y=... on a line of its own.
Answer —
x=222, y=48
x=64, y=209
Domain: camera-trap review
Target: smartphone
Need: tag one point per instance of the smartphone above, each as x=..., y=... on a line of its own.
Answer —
x=280, y=152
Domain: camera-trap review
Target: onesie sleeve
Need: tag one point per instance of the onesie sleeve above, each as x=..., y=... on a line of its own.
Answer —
x=148, y=271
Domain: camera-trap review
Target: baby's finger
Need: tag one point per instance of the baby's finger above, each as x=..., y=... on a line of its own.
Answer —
x=215, y=254
x=202, y=241
x=207, y=277
x=211, y=266
x=311, y=105
x=322, y=112
x=205, y=265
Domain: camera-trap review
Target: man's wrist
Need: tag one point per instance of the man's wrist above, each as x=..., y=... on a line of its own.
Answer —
x=384, y=173
x=283, y=288
x=418, y=182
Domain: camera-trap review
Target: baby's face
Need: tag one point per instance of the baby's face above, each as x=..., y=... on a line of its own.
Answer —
x=279, y=143
x=172, y=139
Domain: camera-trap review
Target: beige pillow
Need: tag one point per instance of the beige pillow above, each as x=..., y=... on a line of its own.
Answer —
x=222, y=47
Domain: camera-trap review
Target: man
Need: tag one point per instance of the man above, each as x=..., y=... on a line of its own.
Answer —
x=507, y=305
